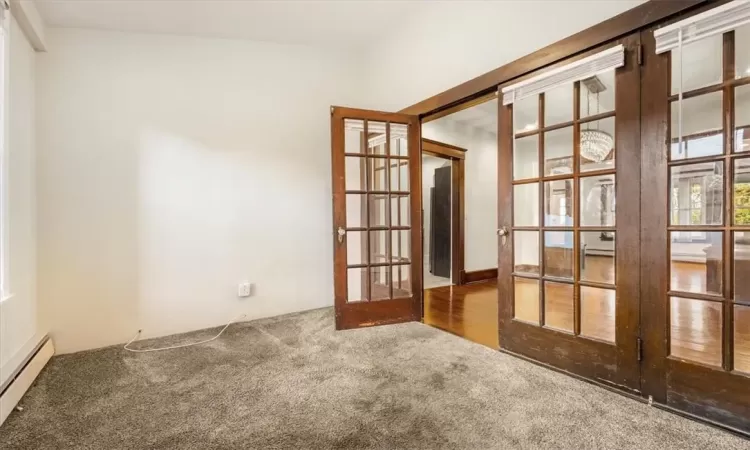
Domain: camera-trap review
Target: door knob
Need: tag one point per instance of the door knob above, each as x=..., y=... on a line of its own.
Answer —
x=341, y=233
x=503, y=233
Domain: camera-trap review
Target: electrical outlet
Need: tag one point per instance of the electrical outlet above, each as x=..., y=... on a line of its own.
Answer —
x=244, y=289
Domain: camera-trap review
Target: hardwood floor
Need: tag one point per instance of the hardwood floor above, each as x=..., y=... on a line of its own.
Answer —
x=695, y=332
x=469, y=311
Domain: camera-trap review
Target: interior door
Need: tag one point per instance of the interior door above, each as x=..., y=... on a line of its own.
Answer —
x=697, y=253
x=569, y=224
x=440, y=222
x=376, y=217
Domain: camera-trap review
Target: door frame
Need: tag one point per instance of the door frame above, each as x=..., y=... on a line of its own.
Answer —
x=456, y=155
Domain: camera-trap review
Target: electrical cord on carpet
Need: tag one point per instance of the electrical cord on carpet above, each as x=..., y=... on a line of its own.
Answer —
x=146, y=350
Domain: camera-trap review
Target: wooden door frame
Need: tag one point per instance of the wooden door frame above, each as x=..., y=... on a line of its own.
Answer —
x=456, y=155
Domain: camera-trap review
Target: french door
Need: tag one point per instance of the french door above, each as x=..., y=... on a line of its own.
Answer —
x=376, y=217
x=696, y=250
x=569, y=216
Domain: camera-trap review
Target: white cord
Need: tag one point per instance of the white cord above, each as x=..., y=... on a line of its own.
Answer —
x=177, y=346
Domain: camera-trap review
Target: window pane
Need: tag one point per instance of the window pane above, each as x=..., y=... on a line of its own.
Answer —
x=742, y=266
x=598, y=313
x=355, y=173
x=379, y=247
x=742, y=338
x=697, y=261
x=355, y=211
x=742, y=51
x=526, y=205
x=558, y=203
x=558, y=105
x=526, y=300
x=742, y=192
x=526, y=114
x=400, y=210
x=742, y=118
x=526, y=158
x=558, y=152
x=376, y=137
x=598, y=94
x=378, y=210
x=701, y=64
x=353, y=136
x=696, y=330
x=697, y=196
x=558, y=306
x=597, y=145
x=399, y=175
x=558, y=254
x=356, y=247
x=356, y=285
x=526, y=252
x=701, y=127
x=401, y=276
x=598, y=256
x=400, y=245
x=380, y=283
x=598, y=201
x=399, y=139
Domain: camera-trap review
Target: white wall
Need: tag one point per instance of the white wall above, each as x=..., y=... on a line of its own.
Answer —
x=480, y=184
x=171, y=168
x=19, y=330
x=453, y=42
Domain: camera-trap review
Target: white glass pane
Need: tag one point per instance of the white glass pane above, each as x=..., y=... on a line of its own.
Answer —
x=526, y=205
x=558, y=105
x=526, y=114
x=526, y=158
x=598, y=201
x=701, y=64
x=701, y=127
x=599, y=153
x=742, y=51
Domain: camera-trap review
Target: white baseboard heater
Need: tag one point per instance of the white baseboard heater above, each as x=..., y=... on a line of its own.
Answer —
x=21, y=379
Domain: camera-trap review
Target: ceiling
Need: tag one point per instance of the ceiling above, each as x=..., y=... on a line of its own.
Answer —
x=350, y=24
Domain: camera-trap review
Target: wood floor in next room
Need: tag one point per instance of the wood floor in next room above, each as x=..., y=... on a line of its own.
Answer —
x=469, y=311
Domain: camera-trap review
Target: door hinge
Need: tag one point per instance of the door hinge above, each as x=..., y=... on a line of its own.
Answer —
x=639, y=348
x=639, y=54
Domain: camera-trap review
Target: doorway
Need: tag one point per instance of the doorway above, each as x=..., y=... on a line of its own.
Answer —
x=437, y=205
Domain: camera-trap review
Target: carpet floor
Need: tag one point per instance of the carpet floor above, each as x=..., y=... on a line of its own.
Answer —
x=293, y=382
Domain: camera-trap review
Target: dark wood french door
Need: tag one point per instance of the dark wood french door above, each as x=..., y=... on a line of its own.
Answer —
x=377, y=229
x=696, y=226
x=569, y=219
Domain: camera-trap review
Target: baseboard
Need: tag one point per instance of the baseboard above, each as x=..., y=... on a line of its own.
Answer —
x=476, y=276
x=16, y=386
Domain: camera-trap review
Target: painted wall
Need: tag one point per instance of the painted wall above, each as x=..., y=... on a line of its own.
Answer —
x=480, y=212
x=169, y=169
x=19, y=330
x=452, y=42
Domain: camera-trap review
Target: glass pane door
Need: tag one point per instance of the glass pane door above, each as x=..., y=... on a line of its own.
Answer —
x=373, y=155
x=566, y=301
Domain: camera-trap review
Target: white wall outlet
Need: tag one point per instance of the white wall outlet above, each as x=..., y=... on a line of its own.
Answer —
x=244, y=289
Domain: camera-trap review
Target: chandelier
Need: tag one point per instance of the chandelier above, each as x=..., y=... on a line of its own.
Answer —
x=596, y=145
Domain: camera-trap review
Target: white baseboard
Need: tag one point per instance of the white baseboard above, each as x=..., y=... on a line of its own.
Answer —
x=17, y=387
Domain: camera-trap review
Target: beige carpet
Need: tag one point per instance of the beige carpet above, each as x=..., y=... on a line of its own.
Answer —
x=292, y=382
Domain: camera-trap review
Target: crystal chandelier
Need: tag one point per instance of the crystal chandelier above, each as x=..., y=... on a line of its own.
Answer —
x=596, y=145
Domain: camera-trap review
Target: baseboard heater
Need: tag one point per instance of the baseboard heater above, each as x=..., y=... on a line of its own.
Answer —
x=21, y=379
